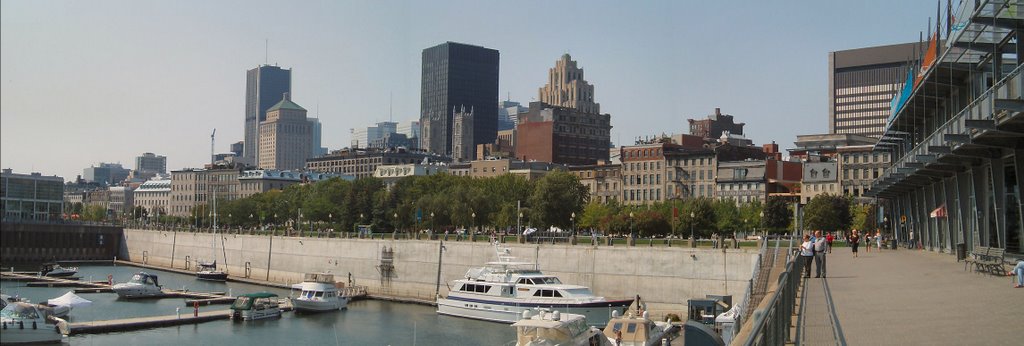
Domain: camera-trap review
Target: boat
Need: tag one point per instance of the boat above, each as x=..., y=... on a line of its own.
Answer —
x=501, y=290
x=54, y=269
x=209, y=272
x=141, y=285
x=554, y=328
x=638, y=331
x=255, y=306
x=25, y=323
x=318, y=293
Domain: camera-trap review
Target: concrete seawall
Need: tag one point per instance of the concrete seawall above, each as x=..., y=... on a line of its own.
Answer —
x=37, y=242
x=664, y=277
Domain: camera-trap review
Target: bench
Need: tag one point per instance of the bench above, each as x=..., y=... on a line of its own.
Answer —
x=987, y=259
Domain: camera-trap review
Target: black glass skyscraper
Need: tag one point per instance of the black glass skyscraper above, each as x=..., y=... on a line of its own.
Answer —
x=456, y=75
x=264, y=87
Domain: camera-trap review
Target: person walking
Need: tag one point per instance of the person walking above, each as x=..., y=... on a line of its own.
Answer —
x=1019, y=271
x=854, y=241
x=807, y=254
x=878, y=240
x=867, y=241
x=820, y=248
x=910, y=241
x=830, y=238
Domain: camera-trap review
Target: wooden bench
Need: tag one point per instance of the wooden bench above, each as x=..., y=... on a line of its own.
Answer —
x=987, y=259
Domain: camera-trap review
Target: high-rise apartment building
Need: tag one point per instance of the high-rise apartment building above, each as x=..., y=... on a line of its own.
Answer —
x=567, y=88
x=285, y=137
x=455, y=75
x=151, y=163
x=264, y=86
x=861, y=85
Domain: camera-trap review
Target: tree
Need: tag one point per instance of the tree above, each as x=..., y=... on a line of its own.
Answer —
x=865, y=216
x=555, y=197
x=94, y=212
x=595, y=215
x=777, y=214
x=703, y=219
x=827, y=213
x=727, y=215
x=750, y=213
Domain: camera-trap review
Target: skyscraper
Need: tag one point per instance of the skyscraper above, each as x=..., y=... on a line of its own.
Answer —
x=508, y=114
x=264, y=86
x=567, y=88
x=284, y=137
x=151, y=163
x=316, y=138
x=861, y=85
x=455, y=75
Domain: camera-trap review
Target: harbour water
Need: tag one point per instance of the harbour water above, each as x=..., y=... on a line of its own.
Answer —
x=366, y=322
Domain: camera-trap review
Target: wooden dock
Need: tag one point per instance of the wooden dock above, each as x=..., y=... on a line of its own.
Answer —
x=186, y=317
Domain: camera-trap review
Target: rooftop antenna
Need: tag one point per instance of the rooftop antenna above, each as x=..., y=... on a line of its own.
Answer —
x=391, y=106
x=266, y=51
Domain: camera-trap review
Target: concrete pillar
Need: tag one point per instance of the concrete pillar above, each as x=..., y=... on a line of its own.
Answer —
x=999, y=187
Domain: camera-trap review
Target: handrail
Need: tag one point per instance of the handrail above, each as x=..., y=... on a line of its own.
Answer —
x=772, y=319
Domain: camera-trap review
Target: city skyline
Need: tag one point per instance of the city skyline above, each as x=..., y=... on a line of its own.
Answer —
x=73, y=73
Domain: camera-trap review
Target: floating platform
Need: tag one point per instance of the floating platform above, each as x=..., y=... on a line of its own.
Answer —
x=121, y=325
x=62, y=283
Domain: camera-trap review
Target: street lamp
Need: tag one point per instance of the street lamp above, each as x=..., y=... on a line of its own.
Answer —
x=519, y=227
x=762, y=220
x=472, y=222
x=693, y=241
x=572, y=218
x=395, y=215
x=431, y=222
x=631, y=225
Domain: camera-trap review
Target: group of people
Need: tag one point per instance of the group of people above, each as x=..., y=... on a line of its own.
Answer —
x=854, y=240
x=814, y=249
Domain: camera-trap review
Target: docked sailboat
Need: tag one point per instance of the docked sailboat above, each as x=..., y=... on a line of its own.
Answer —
x=208, y=270
x=501, y=290
x=318, y=293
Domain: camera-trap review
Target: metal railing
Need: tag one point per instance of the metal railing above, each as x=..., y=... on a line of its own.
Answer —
x=772, y=319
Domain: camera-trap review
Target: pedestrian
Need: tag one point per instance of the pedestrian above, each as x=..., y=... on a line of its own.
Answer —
x=830, y=238
x=1019, y=271
x=910, y=244
x=867, y=241
x=820, y=248
x=879, y=240
x=807, y=254
x=854, y=241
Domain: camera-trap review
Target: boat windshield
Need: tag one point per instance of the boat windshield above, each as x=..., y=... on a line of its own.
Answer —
x=526, y=334
x=19, y=312
x=141, y=279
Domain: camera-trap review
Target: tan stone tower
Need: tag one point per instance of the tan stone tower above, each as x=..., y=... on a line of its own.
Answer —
x=567, y=88
x=462, y=135
x=285, y=137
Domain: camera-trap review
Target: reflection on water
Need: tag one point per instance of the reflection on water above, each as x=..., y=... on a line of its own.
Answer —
x=366, y=322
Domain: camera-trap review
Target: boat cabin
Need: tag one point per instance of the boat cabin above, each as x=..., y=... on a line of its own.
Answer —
x=254, y=306
x=144, y=278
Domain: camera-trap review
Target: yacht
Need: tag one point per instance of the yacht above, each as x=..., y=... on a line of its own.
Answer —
x=255, y=306
x=638, y=331
x=318, y=292
x=208, y=271
x=25, y=323
x=140, y=286
x=55, y=270
x=500, y=291
x=554, y=328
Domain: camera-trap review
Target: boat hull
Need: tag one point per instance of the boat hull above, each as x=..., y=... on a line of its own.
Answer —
x=597, y=314
x=61, y=274
x=212, y=276
x=303, y=305
x=136, y=291
x=253, y=315
x=17, y=334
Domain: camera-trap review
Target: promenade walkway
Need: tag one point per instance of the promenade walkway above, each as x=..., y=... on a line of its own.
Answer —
x=907, y=297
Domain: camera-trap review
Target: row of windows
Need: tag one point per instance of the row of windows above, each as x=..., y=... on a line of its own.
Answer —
x=642, y=195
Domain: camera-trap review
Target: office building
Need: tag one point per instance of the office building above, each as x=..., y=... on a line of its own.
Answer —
x=567, y=88
x=264, y=86
x=603, y=181
x=238, y=148
x=252, y=182
x=508, y=115
x=365, y=137
x=31, y=196
x=562, y=135
x=151, y=163
x=105, y=174
x=861, y=85
x=154, y=196
x=285, y=137
x=361, y=163
x=456, y=75
x=121, y=201
x=411, y=130
x=315, y=138
x=714, y=125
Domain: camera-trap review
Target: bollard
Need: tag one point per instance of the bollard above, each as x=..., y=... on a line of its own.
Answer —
x=177, y=311
x=229, y=292
x=195, y=304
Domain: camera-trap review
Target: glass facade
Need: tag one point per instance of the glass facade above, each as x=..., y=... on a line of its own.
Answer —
x=31, y=197
x=264, y=87
x=456, y=75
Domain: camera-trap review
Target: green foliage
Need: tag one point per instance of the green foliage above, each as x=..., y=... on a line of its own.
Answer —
x=828, y=213
x=777, y=214
x=727, y=215
x=94, y=213
x=555, y=197
x=865, y=216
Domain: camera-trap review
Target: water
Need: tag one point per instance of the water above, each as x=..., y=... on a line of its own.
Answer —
x=366, y=322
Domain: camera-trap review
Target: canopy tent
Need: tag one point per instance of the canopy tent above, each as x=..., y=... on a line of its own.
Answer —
x=70, y=299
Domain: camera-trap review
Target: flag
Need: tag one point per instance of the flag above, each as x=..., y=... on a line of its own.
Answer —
x=939, y=212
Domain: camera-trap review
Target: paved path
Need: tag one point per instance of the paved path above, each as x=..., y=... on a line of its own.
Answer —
x=908, y=297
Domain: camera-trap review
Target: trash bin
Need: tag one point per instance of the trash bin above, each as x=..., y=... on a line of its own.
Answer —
x=892, y=244
x=961, y=251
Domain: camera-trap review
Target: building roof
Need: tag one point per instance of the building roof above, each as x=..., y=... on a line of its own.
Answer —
x=286, y=103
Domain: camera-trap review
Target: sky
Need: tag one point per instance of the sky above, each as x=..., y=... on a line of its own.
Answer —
x=83, y=82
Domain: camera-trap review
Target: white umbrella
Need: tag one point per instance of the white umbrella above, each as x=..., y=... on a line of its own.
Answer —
x=528, y=231
x=69, y=299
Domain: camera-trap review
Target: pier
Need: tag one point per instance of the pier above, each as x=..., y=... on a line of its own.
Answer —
x=121, y=325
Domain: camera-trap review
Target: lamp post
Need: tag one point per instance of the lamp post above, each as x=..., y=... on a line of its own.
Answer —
x=431, y=222
x=519, y=224
x=761, y=221
x=472, y=223
x=631, y=234
x=693, y=240
x=572, y=217
x=395, y=216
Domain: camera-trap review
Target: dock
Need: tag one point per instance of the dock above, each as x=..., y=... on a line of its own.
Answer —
x=186, y=317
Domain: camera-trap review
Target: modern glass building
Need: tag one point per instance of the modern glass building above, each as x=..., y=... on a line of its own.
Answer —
x=861, y=84
x=456, y=75
x=31, y=196
x=264, y=87
x=956, y=136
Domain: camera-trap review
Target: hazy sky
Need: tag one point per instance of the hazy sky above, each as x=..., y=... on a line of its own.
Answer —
x=91, y=81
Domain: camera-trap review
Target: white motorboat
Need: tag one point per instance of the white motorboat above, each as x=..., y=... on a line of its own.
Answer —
x=25, y=323
x=255, y=306
x=502, y=290
x=54, y=269
x=141, y=285
x=554, y=328
x=318, y=292
x=638, y=331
